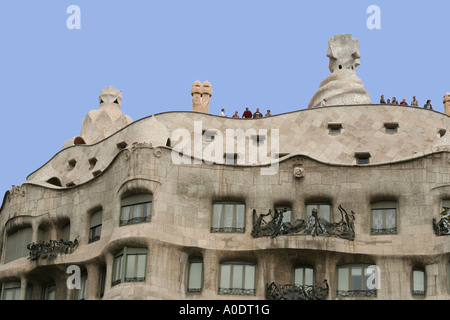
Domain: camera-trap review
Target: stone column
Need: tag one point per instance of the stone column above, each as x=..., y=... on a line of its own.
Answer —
x=446, y=102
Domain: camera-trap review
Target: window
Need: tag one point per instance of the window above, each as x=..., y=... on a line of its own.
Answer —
x=129, y=265
x=362, y=157
x=352, y=281
x=136, y=209
x=418, y=282
x=391, y=127
x=95, y=229
x=237, y=279
x=304, y=276
x=195, y=275
x=287, y=215
x=383, y=217
x=49, y=292
x=334, y=127
x=65, y=234
x=16, y=244
x=102, y=282
x=80, y=294
x=228, y=217
x=10, y=290
x=323, y=210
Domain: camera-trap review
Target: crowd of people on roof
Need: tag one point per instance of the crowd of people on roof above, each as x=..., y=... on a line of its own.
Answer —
x=247, y=114
x=414, y=102
x=257, y=114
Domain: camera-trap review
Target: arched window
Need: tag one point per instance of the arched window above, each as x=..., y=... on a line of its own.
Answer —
x=195, y=275
x=228, y=217
x=383, y=217
x=418, y=283
x=323, y=210
x=136, y=208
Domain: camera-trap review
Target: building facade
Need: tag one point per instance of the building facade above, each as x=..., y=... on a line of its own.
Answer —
x=343, y=200
x=141, y=226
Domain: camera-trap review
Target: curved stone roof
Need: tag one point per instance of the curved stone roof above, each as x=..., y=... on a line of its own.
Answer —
x=363, y=129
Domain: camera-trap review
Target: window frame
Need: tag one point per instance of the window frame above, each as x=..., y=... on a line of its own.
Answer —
x=120, y=276
x=95, y=228
x=318, y=204
x=14, y=285
x=231, y=290
x=191, y=261
x=145, y=215
x=362, y=292
x=47, y=289
x=418, y=293
x=384, y=205
x=304, y=269
x=234, y=228
x=80, y=294
x=19, y=242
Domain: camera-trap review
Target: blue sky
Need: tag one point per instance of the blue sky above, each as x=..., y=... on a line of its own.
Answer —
x=266, y=54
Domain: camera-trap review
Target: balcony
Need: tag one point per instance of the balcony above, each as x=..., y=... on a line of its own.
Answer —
x=276, y=291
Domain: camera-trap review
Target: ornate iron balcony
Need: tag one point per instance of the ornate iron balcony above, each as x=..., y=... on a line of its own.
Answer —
x=313, y=225
x=375, y=231
x=237, y=291
x=296, y=292
x=51, y=248
x=356, y=293
x=228, y=230
x=134, y=220
x=442, y=227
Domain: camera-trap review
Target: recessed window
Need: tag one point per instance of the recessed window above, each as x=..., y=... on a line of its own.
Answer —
x=418, y=282
x=383, y=217
x=362, y=157
x=287, y=212
x=195, y=275
x=55, y=181
x=323, y=210
x=136, y=208
x=228, y=217
x=16, y=244
x=80, y=294
x=391, y=127
x=442, y=132
x=95, y=229
x=129, y=265
x=304, y=276
x=334, y=127
x=10, y=290
x=92, y=163
x=49, y=291
x=352, y=281
x=122, y=145
x=237, y=279
x=72, y=164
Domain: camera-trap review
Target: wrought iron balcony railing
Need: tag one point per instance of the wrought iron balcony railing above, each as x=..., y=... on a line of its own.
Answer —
x=237, y=291
x=356, y=293
x=376, y=231
x=51, y=248
x=276, y=291
x=134, y=220
x=228, y=229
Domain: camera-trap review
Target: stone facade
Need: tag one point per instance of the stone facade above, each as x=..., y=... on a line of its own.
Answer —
x=408, y=167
